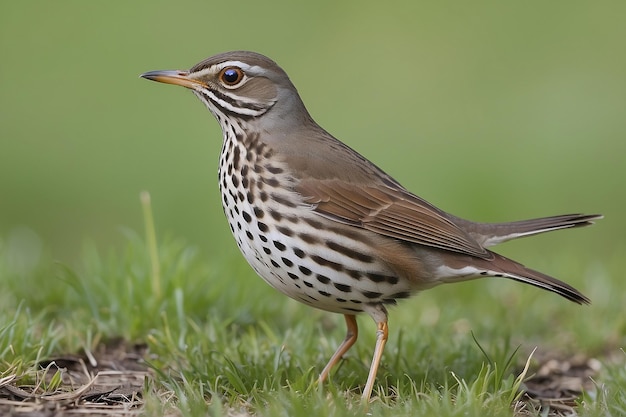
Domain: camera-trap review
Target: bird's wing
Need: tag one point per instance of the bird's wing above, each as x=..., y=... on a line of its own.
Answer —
x=392, y=212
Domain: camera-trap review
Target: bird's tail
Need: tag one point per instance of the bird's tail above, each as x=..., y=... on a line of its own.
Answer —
x=501, y=267
x=490, y=234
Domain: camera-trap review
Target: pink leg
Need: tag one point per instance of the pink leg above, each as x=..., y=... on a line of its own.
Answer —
x=381, y=338
x=351, y=336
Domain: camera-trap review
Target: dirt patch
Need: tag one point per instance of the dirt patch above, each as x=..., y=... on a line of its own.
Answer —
x=106, y=382
x=557, y=385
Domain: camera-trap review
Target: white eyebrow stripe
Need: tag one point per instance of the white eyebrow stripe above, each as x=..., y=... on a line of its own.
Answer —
x=214, y=69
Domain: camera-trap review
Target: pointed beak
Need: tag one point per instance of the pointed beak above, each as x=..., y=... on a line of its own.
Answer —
x=173, y=77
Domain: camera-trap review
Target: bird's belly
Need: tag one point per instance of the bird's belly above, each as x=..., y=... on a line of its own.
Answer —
x=293, y=251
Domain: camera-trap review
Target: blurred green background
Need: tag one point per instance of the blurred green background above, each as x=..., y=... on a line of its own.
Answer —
x=491, y=110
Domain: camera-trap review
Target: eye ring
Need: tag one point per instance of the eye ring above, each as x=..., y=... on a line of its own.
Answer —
x=231, y=76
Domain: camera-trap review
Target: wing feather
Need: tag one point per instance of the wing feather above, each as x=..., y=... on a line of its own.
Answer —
x=392, y=212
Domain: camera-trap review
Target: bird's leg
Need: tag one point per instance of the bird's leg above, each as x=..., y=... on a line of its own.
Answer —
x=381, y=338
x=351, y=336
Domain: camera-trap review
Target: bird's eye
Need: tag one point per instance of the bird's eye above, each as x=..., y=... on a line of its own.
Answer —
x=231, y=76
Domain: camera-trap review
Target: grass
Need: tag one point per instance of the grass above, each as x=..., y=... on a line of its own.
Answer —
x=221, y=342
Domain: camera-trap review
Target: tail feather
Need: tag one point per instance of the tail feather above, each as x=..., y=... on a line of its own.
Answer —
x=507, y=268
x=457, y=268
x=490, y=234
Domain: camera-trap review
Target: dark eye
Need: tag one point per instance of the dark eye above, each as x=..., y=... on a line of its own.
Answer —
x=231, y=75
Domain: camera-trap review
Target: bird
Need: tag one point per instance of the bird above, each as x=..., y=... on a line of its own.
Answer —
x=322, y=224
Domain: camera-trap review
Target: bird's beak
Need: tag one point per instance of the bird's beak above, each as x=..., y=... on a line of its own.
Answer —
x=173, y=77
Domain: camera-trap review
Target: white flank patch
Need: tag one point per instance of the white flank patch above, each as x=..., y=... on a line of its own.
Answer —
x=445, y=272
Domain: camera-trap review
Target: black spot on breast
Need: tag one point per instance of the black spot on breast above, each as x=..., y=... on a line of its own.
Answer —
x=292, y=275
x=272, y=182
x=274, y=169
x=287, y=262
x=371, y=294
x=293, y=219
x=342, y=287
x=267, y=250
x=351, y=253
x=262, y=226
x=351, y=234
x=236, y=156
x=280, y=246
x=299, y=253
x=313, y=223
x=258, y=212
x=325, y=262
x=310, y=239
x=402, y=294
x=392, y=279
x=308, y=284
x=305, y=270
x=354, y=274
x=372, y=276
x=285, y=230
x=246, y=216
x=249, y=235
x=282, y=200
x=322, y=278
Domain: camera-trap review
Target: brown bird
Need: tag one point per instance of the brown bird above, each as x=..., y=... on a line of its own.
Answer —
x=325, y=226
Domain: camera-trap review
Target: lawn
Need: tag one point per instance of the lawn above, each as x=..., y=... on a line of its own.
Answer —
x=156, y=329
